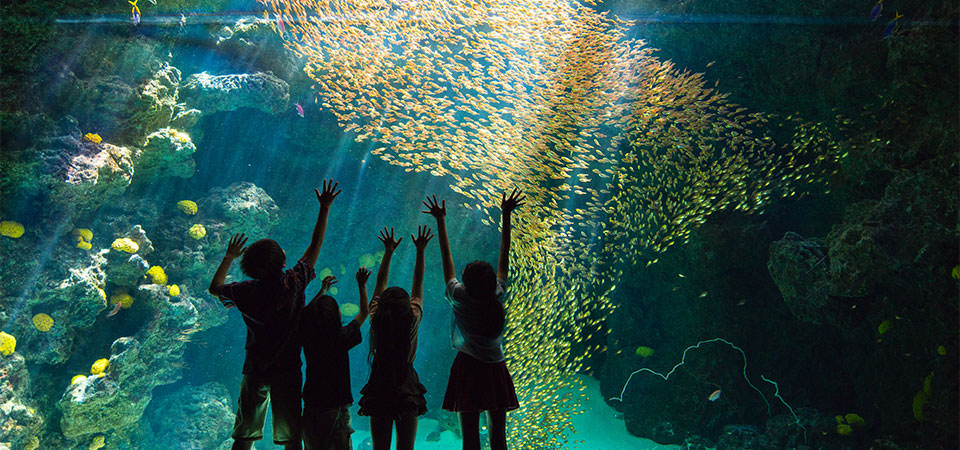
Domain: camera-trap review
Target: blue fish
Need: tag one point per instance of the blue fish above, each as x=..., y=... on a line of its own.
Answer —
x=892, y=26
x=875, y=12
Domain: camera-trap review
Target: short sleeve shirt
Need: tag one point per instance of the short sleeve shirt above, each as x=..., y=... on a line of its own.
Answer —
x=327, y=382
x=271, y=310
x=416, y=306
x=464, y=326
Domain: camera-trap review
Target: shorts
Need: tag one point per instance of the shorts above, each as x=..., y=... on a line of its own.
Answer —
x=326, y=428
x=479, y=386
x=283, y=391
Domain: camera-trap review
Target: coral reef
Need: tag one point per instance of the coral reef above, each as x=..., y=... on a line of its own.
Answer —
x=166, y=152
x=20, y=422
x=216, y=93
x=193, y=416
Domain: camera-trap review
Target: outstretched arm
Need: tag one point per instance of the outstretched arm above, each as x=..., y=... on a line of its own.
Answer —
x=325, y=198
x=507, y=205
x=383, y=273
x=363, y=274
x=439, y=211
x=423, y=237
x=234, y=250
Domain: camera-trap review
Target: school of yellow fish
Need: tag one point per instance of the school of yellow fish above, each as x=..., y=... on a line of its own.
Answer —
x=621, y=155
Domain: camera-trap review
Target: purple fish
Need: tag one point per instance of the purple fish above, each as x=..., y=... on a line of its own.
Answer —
x=875, y=12
x=299, y=110
x=280, y=24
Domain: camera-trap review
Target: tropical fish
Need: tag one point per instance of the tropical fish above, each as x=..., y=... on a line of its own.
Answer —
x=115, y=310
x=280, y=24
x=892, y=25
x=875, y=12
x=135, y=11
x=299, y=110
x=714, y=396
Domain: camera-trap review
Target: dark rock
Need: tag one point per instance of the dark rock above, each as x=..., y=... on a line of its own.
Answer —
x=799, y=267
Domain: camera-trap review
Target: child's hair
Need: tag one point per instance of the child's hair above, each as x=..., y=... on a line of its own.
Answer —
x=390, y=335
x=263, y=259
x=481, y=283
x=322, y=314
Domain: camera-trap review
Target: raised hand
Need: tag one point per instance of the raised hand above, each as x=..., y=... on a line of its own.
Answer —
x=235, y=247
x=423, y=237
x=509, y=204
x=328, y=281
x=435, y=208
x=389, y=242
x=329, y=192
x=363, y=274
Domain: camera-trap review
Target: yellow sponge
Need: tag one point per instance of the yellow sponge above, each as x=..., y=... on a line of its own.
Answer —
x=188, y=207
x=43, y=322
x=12, y=229
x=99, y=366
x=125, y=245
x=8, y=344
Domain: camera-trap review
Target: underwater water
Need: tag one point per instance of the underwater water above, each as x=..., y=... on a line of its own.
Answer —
x=740, y=228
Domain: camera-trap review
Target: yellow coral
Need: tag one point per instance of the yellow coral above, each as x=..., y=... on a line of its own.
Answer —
x=83, y=233
x=197, y=231
x=84, y=245
x=43, y=322
x=93, y=137
x=99, y=366
x=98, y=442
x=32, y=444
x=8, y=344
x=844, y=429
x=78, y=379
x=157, y=275
x=174, y=290
x=103, y=294
x=188, y=207
x=123, y=298
x=12, y=229
x=644, y=351
x=125, y=245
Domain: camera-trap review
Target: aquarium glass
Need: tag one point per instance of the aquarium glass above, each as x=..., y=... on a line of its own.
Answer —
x=737, y=221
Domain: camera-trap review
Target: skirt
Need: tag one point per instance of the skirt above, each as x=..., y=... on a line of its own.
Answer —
x=479, y=386
x=380, y=399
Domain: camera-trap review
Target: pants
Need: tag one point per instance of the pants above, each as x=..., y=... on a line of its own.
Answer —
x=326, y=428
x=283, y=391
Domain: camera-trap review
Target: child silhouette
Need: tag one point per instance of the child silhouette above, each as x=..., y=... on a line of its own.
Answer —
x=393, y=395
x=479, y=378
x=326, y=391
x=270, y=303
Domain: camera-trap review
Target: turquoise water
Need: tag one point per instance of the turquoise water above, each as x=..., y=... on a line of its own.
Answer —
x=741, y=226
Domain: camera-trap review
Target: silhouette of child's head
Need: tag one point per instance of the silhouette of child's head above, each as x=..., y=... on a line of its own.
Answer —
x=480, y=280
x=323, y=312
x=263, y=259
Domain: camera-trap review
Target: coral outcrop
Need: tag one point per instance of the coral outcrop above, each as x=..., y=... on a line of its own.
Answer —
x=20, y=423
x=193, y=416
x=117, y=399
x=217, y=93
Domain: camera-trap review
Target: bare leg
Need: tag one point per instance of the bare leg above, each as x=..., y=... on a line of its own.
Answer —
x=406, y=432
x=470, y=428
x=381, y=430
x=497, y=428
